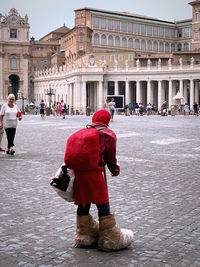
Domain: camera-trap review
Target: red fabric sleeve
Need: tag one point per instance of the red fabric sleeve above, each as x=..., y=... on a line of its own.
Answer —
x=108, y=150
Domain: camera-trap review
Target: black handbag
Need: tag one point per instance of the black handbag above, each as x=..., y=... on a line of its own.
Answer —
x=63, y=183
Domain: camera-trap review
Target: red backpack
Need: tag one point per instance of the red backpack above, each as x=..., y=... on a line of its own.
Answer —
x=82, y=150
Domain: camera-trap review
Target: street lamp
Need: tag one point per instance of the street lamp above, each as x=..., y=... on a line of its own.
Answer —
x=50, y=92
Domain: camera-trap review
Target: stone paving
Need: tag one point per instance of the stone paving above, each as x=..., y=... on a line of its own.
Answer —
x=157, y=194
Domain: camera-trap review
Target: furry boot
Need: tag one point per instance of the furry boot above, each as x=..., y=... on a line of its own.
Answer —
x=87, y=231
x=111, y=237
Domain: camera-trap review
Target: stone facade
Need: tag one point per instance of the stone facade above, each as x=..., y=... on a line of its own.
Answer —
x=117, y=53
x=14, y=55
x=21, y=56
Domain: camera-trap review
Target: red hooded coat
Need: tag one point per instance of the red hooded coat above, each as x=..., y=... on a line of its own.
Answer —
x=90, y=186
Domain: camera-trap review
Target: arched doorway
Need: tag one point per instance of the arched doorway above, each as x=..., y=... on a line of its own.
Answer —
x=13, y=85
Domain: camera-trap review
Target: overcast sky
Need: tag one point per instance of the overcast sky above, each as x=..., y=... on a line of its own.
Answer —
x=47, y=15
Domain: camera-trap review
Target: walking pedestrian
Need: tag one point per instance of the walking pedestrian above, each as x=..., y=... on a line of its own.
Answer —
x=196, y=109
x=9, y=115
x=90, y=187
x=137, y=109
x=63, y=109
x=112, y=107
x=42, y=109
x=186, y=109
x=107, y=105
x=60, y=109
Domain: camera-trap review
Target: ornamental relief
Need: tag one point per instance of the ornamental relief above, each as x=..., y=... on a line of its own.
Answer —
x=13, y=19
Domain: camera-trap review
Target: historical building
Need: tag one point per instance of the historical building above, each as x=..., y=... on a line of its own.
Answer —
x=21, y=56
x=14, y=54
x=117, y=53
x=140, y=58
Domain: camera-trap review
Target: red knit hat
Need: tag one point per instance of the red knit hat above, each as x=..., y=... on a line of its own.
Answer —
x=101, y=116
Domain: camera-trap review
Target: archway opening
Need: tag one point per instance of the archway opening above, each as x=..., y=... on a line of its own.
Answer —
x=13, y=87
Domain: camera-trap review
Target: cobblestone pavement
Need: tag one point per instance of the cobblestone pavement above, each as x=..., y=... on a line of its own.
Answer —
x=157, y=194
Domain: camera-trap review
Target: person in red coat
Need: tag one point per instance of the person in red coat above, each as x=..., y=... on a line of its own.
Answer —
x=90, y=187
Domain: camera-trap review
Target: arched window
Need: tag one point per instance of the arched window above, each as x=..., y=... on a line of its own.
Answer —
x=167, y=47
x=155, y=46
x=179, y=47
x=186, y=47
x=103, y=40
x=110, y=40
x=149, y=45
x=96, y=38
x=130, y=43
x=124, y=42
x=117, y=41
x=161, y=47
x=143, y=45
x=137, y=44
x=172, y=47
x=13, y=64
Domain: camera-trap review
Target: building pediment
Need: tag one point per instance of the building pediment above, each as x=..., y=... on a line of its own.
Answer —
x=13, y=19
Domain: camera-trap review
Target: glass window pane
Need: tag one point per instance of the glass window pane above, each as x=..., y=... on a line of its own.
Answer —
x=103, y=23
x=149, y=30
x=143, y=29
x=116, y=25
x=13, y=64
x=110, y=24
x=130, y=27
x=96, y=22
x=123, y=26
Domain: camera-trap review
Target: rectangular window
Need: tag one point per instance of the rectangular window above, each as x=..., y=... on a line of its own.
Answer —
x=112, y=58
x=120, y=57
x=123, y=26
x=116, y=25
x=149, y=30
x=13, y=33
x=130, y=27
x=143, y=29
x=155, y=31
x=13, y=64
x=103, y=23
x=110, y=24
x=130, y=57
x=161, y=31
x=102, y=58
x=96, y=22
x=136, y=28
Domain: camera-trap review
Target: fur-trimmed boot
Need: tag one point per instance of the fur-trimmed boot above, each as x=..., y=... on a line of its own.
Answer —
x=111, y=237
x=87, y=231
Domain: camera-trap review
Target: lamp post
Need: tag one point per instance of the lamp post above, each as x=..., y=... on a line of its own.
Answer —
x=50, y=92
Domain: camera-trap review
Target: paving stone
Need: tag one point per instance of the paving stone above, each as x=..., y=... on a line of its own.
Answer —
x=156, y=194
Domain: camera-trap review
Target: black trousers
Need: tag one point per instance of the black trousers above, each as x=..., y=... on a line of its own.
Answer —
x=103, y=209
x=10, y=133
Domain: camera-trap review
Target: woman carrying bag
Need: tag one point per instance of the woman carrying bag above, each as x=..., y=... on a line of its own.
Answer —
x=9, y=115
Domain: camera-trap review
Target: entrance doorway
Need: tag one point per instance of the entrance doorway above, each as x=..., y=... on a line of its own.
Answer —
x=13, y=87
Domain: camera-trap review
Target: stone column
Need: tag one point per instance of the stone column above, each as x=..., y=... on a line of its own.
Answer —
x=71, y=97
x=159, y=95
x=138, y=92
x=25, y=88
x=197, y=92
x=170, y=94
x=185, y=92
x=83, y=97
x=100, y=95
x=127, y=93
x=149, y=93
x=105, y=90
x=116, y=88
x=181, y=87
x=191, y=94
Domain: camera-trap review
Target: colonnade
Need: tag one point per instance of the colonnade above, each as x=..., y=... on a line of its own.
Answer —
x=89, y=87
